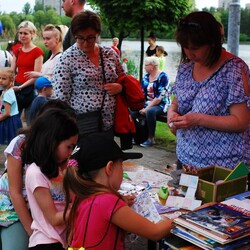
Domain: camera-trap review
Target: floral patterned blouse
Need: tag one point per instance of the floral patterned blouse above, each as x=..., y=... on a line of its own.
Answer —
x=8, y=215
x=159, y=88
x=79, y=82
x=199, y=146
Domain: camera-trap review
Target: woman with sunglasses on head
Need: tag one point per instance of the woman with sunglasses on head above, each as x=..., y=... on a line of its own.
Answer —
x=52, y=39
x=210, y=113
x=85, y=75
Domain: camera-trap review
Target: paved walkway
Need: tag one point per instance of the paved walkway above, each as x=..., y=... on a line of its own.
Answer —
x=153, y=157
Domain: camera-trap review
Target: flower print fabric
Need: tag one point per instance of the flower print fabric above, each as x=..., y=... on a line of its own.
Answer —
x=212, y=98
x=79, y=82
x=8, y=215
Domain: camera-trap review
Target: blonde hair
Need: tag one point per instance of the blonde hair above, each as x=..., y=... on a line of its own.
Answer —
x=28, y=25
x=57, y=32
x=116, y=39
x=153, y=60
x=9, y=72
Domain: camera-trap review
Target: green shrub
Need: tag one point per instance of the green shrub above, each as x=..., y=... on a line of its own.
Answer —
x=42, y=46
x=132, y=68
x=164, y=137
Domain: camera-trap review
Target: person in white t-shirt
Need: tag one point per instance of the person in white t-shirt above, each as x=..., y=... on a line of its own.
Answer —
x=52, y=38
x=5, y=61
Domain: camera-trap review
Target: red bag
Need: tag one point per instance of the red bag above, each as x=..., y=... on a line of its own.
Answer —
x=132, y=92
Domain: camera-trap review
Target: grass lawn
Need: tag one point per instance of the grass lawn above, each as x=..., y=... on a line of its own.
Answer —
x=164, y=137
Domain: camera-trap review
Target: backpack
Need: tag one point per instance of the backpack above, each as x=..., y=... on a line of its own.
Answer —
x=7, y=63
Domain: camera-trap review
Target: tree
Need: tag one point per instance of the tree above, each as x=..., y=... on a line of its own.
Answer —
x=8, y=26
x=27, y=9
x=42, y=18
x=38, y=6
x=245, y=24
x=124, y=17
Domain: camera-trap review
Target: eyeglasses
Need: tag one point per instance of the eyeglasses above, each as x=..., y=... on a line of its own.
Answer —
x=185, y=24
x=89, y=39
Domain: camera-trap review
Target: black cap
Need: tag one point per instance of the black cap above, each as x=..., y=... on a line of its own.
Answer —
x=96, y=150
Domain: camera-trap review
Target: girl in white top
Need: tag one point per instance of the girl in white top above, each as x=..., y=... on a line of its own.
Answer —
x=52, y=38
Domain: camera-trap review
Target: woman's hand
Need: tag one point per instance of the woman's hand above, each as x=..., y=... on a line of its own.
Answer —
x=16, y=88
x=185, y=121
x=32, y=74
x=113, y=88
x=143, y=111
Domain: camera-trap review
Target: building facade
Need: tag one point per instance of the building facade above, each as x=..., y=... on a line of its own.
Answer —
x=55, y=4
x=224, y=4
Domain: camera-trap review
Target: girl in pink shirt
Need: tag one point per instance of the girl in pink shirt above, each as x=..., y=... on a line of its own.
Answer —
x=49, y=143
x=99, y=217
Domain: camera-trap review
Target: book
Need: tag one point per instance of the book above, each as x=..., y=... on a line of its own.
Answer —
x=206, y=232
x=220, y=218
x=144, y=206
x=239, y=171
x=207, y=243
x=162, y=209
x=242, y=196
x=238, y=205
x=193, y=237
x=176, y=243
x=241, y=244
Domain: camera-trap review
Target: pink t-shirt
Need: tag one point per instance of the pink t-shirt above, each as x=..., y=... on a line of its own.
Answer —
x=43, y=232
x=98, y=224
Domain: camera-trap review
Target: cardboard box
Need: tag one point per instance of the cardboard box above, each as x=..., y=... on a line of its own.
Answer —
x=212, y=187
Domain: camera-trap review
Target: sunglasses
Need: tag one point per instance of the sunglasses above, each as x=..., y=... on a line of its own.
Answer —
x=192, y=25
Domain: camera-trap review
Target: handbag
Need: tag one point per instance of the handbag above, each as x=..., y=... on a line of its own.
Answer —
x=25, y=96
x=141, y=134
x=91, y=122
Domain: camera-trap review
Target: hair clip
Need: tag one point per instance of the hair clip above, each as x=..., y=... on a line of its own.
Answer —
x=76, y=149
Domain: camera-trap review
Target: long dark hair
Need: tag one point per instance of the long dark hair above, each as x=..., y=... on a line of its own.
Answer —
x=43, y=137
x=82, y=186
x=198, y=29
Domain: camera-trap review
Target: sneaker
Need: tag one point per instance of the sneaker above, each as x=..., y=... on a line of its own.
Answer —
x=147, y=143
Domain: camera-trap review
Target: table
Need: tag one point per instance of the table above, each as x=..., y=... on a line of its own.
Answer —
x=143, y=176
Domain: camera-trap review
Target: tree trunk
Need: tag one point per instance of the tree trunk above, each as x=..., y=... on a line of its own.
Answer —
x=142, y=53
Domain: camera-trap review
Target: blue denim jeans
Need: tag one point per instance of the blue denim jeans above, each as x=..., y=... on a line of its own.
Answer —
x=151, y=115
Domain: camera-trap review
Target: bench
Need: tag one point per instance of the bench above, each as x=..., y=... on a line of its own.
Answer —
x=162, y=118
